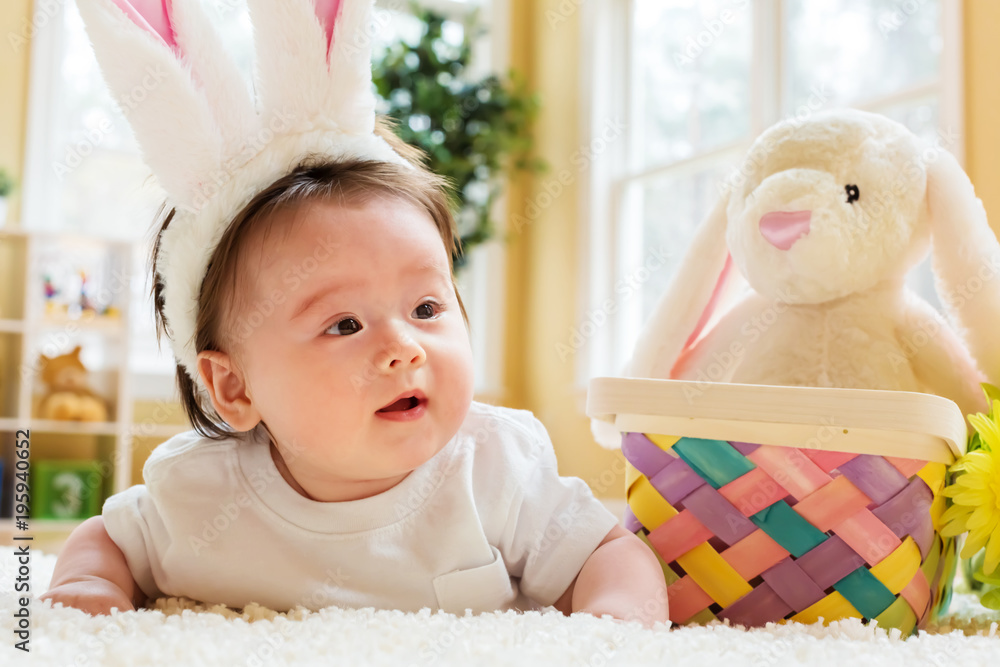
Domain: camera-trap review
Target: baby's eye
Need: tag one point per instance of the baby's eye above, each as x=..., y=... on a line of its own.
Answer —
x=345, y=327
x=425, y=311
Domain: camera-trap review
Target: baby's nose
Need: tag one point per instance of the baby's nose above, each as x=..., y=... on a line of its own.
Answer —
x=404, y=352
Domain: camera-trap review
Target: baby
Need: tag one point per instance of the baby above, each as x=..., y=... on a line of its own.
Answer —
x=343, y=460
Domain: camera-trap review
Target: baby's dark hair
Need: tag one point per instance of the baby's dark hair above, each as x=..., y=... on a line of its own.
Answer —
x=225, y=290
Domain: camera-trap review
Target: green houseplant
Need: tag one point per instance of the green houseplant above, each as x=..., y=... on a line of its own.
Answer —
x=473, y=131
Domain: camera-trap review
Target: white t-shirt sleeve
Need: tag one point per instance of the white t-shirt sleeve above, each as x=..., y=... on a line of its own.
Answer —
x=553, y=524
x=130, y=517
x=136, y=518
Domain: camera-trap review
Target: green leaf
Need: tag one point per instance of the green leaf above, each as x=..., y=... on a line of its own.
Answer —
x=991, y=599
x=479, y=129
x=6, y=183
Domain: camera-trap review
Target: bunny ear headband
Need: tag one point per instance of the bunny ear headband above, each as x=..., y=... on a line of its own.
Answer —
x=211, y=146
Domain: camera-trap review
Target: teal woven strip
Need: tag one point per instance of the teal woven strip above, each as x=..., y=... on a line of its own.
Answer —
x=787, y=527
x=716, y=461
x=863, y=590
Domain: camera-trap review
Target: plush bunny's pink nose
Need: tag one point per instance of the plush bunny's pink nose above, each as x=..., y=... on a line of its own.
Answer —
x=783, y=228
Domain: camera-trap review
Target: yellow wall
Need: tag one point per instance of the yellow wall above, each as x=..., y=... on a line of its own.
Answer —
x=982, y=100
x=14, y=18
x=544, y=254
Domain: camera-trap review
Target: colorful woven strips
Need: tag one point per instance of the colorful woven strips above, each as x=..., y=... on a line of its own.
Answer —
x=757, y=533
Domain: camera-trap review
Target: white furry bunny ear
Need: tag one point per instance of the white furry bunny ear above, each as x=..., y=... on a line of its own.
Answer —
x=320, y=61
x=966, y=258
x=689, y=303
x=182, y=94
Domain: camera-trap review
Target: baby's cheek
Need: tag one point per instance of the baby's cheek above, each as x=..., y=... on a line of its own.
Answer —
x=458, y=378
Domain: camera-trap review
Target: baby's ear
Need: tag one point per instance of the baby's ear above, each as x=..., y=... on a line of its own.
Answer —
x=227, y=388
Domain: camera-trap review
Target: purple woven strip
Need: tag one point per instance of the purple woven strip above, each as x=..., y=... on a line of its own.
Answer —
x=758, y=607
x=631, y=523
x=874, y=476
x=744, y=448
x=829, y=562
x=676, y=481
x=644, y=455
x=718, y=514
x=793, y=585
x=909, y=513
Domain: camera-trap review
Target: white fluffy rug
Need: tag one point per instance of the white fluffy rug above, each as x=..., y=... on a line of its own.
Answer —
x=181, y=632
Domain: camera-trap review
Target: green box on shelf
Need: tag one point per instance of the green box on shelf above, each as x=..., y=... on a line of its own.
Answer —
x=65, y=489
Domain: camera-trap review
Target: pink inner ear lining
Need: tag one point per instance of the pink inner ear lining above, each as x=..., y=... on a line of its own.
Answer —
x=152, y=16
x=327, y=12
x=706, y=315
x=713, y=303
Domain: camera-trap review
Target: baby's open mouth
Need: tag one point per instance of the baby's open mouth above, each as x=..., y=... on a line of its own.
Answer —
x=402, y=404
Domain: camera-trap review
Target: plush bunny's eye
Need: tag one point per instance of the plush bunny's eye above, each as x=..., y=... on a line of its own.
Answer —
x=853, y=193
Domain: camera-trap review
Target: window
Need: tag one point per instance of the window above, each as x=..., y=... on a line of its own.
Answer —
x=692, y=84
x=84, y=173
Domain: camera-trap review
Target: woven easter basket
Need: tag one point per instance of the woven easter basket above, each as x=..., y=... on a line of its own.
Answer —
x=767, y=504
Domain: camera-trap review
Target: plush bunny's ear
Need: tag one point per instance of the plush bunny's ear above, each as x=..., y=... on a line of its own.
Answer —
x=690, y=301
x=966, y=258
x=695, y=293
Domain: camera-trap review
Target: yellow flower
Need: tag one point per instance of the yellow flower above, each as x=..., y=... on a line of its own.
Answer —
x=975, y=494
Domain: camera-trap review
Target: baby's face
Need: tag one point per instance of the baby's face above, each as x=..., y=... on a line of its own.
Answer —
x=365, y=313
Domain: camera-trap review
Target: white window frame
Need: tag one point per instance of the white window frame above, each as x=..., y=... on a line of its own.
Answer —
x=482, y=284
x=606, y=95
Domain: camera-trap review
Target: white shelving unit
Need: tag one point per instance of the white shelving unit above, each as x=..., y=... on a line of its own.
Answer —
x=28, y=329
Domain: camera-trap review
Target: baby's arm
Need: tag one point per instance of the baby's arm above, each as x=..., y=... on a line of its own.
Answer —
x=622, y=578
x=91, y=573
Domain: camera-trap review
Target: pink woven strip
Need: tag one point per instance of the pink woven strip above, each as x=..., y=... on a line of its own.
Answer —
x=753, y=492
x=826, y=507
x=678, y=535
x=907, y=467
x=917, y=593
x=685, y=599
x=868, y=536
x=827, y=460
x=753, y=554
x=791, y=469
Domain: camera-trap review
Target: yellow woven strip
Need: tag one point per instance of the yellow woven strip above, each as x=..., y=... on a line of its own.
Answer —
x=664, y=442
x=703, y=617
x=898, y=615
x=649, y=507
x=715, y=576
x=933, y=560
x=933, y=475
x=631, y=476
x=897, y=569
x=834, y=606
x=938, y=506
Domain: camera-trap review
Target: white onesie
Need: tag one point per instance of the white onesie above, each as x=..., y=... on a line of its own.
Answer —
x=486, y=519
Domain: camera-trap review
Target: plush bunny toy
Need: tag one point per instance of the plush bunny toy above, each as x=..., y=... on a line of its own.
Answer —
x=823, y=220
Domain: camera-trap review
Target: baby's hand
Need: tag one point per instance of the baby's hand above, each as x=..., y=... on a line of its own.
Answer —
x=92, y=595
